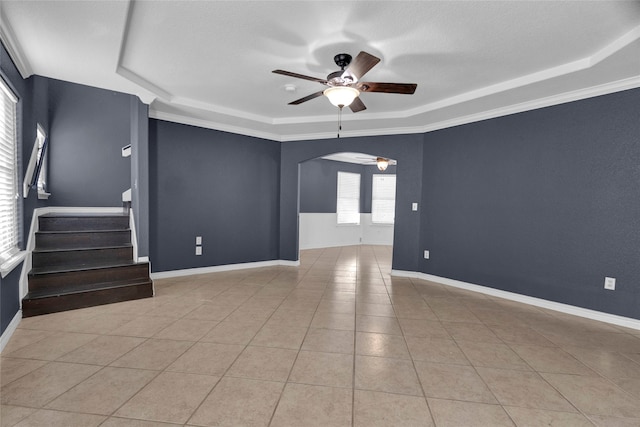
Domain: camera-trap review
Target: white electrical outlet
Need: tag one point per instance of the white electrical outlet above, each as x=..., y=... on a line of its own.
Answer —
x=198, y=240
x=198, y=250
x=414, y=207
x=426, y=254
x=610, y=283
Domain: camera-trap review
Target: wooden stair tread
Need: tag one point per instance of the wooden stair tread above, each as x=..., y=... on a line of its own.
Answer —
x=77, y=289
x=117, y=230
x=86, y=248
x=69, y=269
x=83, y=215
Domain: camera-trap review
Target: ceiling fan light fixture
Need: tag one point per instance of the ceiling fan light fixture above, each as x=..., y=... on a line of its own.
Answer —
x=341, y=96
x=382, y=163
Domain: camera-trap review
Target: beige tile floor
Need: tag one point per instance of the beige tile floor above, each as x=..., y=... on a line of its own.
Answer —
x=335, y=342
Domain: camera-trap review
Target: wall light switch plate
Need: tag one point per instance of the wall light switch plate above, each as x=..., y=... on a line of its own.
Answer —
x=198, y=240
x=414, y=207
x=610, y=283
x=198, y=250
x=426, y=254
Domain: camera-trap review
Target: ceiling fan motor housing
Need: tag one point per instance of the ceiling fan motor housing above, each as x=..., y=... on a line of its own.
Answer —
x=339, y=78
x=342, y=60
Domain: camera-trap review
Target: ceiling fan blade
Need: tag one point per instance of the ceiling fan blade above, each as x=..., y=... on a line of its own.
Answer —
x=299, y=76
x=306, y=98
x=361, y=65
x=403, y=88
x=357, y=105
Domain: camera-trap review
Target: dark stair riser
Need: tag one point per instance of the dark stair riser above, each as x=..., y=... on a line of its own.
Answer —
x=82, y=257
x=107, y=295
x=60, y=280
x=74, y=240
x=81, y=223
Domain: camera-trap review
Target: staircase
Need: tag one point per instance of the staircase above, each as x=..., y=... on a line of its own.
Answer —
x=82, y=261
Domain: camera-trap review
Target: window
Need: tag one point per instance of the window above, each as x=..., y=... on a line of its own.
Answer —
x=383, y=199
x=348, y=206
x=8, y=174
x=36, y=174
x=42, y=160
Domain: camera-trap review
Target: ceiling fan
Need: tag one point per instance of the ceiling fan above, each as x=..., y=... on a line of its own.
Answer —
x=381, y=162
x=344, y=85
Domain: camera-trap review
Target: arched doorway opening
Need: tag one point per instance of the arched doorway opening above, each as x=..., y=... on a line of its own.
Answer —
x=346, y=181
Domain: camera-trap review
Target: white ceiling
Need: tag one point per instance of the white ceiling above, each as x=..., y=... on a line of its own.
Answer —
x=209, y=63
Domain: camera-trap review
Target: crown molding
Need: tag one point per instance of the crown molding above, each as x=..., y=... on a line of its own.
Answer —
x=10, y=42
x=604, y=89
x=207, y=124
x=563, y=98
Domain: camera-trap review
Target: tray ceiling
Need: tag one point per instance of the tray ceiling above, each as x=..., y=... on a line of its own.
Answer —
x=209, y=63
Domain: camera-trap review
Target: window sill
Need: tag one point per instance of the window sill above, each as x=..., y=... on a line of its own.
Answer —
x=7, y=266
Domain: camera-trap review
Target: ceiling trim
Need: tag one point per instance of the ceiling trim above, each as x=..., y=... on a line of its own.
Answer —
x=604, y=89
x=549, y=101
x=164, y=94
x=539, y=76
x=207, y=124
x=10, y=42
x=152, y=90
x=192, y=103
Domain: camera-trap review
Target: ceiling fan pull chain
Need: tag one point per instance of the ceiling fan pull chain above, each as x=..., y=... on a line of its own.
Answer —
x=339, y=120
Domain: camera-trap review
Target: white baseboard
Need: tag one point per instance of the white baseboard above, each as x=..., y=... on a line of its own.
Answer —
x=221, y=268
x=627, y=322
x=11, y=328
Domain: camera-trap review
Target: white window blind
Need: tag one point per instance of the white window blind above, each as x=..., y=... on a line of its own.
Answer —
x=8, y=173
x=348, y=206
x=383, y=199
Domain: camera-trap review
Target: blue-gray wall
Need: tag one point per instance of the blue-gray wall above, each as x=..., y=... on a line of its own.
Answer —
x=544, y=203
x=88, y=128
x=406, y=149
x=221, y=186
x=319, y=184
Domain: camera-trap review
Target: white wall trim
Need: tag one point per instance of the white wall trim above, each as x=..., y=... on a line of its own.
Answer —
x=221, y=268
x=627, y=322
x=11, y=328
x=31, y=239
x=134, y=236
x=321, y=230
x=11, y=263
x=7, y=35
x=211, y=124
